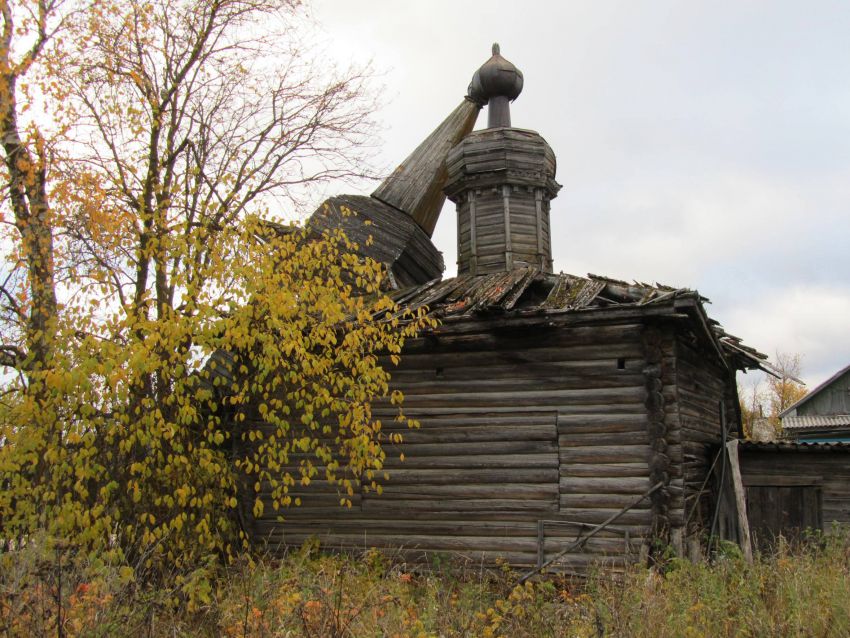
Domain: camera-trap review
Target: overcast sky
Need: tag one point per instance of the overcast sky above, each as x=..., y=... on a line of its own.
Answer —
x=699, y=144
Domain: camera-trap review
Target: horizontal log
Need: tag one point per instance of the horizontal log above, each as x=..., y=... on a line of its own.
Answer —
x=534, y=421
x=606, y=454
x=404, y=476
x=604, y=469
x=532, y=398
x=479, y=461
x=590, y=501
x=569, y=423
x=525, y=378
x=481, y=433
x=417, y=451
x=603, y=438
x=419, y=412
x=597, y=515
x=357, y=523
x=496, y=506
x=507, y=490
x=489, y=348
x=529, y=367
x=608, y=485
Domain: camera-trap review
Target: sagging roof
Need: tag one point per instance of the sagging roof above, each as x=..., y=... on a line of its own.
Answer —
x=529, y=292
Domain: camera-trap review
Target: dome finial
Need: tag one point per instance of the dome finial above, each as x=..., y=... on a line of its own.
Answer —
x=495, y=84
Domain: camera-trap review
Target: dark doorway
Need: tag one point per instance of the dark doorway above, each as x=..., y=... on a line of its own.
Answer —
x=786, y=510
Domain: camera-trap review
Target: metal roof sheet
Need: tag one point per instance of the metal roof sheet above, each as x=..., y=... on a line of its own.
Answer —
x=796, y=446
x=815, y=422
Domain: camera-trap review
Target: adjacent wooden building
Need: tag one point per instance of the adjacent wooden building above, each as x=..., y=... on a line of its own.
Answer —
x=823, y=414
x=548, y=403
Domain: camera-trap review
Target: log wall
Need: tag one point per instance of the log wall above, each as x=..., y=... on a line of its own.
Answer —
x=528, y=436
x=703, y=389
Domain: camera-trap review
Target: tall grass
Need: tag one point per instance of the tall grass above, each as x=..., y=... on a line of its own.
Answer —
x=796, y=591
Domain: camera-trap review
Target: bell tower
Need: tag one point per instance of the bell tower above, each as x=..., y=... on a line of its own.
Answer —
x=501, y=180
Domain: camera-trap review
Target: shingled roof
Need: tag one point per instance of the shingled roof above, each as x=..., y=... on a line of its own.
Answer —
x=535, y=296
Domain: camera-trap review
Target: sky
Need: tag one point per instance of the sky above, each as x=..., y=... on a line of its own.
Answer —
x=700, y=144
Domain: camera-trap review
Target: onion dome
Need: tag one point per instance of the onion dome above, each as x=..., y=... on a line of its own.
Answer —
x=497, y=77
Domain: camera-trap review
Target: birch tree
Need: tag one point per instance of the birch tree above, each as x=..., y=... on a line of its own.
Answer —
x=155, y=319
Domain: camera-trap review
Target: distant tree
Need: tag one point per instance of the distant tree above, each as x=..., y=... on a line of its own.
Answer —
x=751, y=398
x=786, y=389
x=765, y=401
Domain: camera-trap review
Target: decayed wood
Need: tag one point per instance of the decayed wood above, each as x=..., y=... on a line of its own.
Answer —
x=501, y=184
x=494, y=505
x=607, y=485
x=472, y=490
x=522, y=422
x=593, y=532
x=606, y=454
x=603, y=469
x=477, y=433
x=416, y=186
x=594, y=499
x=583, y=440
x=740, y=500
x=480, y=461
x=476, y=448
x=406, y=476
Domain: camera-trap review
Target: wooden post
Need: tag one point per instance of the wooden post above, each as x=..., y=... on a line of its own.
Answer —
x=740, y=500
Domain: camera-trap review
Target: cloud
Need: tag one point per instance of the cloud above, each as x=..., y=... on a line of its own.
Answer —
x=699, y=144
x=810, y=320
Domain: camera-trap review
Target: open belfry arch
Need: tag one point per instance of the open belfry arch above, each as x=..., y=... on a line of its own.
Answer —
x=564, y=417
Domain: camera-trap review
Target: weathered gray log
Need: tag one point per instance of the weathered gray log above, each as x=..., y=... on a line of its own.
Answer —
x=740, y=500
x=593, y=532
x=602, y=470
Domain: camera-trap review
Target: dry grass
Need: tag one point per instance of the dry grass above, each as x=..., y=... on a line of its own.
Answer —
x=800, y=591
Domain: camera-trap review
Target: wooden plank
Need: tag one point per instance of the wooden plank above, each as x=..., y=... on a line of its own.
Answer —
x=740, y=500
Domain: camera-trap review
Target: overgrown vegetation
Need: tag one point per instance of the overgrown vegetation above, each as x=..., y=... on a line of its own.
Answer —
x=161, y=344
x=801, y=591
